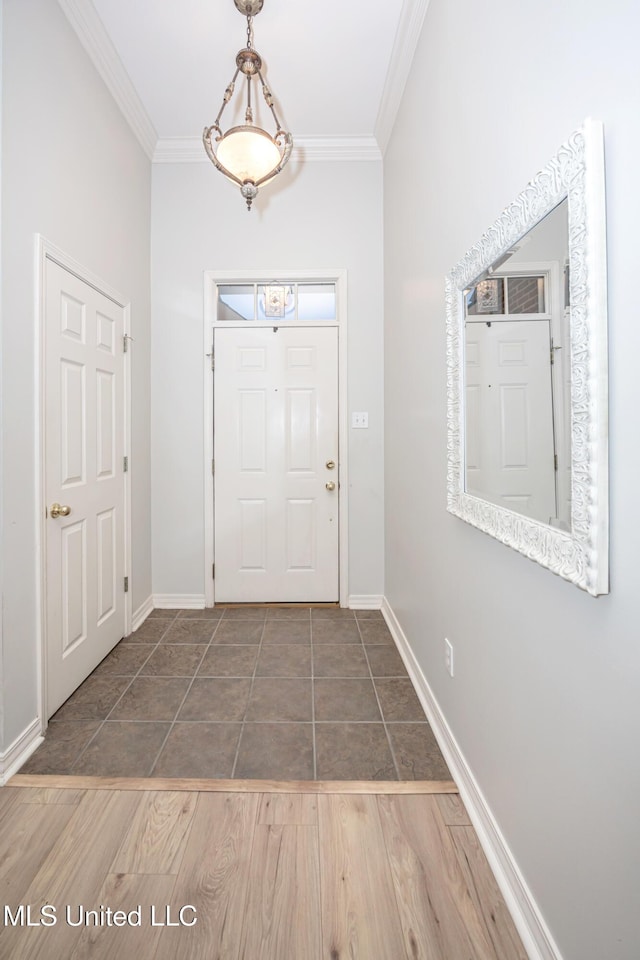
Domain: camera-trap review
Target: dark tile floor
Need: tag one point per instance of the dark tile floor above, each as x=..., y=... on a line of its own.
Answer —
x=255, y=692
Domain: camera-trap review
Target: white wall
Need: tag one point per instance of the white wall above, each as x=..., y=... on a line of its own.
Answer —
x=321, y=215
x=545, y=703
x=72, y=171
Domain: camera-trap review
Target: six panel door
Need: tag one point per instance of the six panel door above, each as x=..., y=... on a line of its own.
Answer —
x=276, y=464
x=84, y=480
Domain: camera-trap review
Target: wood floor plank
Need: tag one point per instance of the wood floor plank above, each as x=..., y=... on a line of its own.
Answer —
x=27, y=835
x=9, y=797
x=293, y=808
x=237, y=786
x=72, y=873
x=156, y=840
x=452, y=810
x=50, y=795
x=376, y=878
x=486, y=895
x=360, y=919
x=213, y=876
x=126, y=892
x=439, y=917
x=282, y=914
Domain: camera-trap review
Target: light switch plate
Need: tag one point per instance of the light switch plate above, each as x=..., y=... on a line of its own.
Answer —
x=359, y=421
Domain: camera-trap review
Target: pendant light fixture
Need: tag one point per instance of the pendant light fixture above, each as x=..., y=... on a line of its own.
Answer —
x=247, y=154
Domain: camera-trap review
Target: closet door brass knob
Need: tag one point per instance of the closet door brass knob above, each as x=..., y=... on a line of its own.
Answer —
x=56, y=510
x=330, y=485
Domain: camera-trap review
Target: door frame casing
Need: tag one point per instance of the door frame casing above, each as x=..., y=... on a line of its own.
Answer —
x=45, y=250
x=213, y=279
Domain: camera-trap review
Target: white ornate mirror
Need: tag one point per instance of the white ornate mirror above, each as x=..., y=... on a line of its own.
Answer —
x=527, y=371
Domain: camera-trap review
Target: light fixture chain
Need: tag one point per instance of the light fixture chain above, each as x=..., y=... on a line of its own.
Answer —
x=249, y=32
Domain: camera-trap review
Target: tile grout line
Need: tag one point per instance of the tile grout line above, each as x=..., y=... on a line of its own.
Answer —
x=128, y=686
x=375, y=690
x=188, y=690
x=313, y=698
x=246, y=709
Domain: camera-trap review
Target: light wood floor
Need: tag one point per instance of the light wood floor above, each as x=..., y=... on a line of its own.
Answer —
x=271, y=875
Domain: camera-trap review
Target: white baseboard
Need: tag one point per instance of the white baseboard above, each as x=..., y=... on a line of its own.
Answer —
x=530, y=923
x=175, y=601
x=20, y=750
x=365, y=601
x=141, y=614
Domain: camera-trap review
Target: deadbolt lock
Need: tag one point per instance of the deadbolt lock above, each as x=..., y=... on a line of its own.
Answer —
x=330, y=464
x=57, y=510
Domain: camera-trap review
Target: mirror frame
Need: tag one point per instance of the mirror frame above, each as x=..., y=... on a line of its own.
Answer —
x=581, y=555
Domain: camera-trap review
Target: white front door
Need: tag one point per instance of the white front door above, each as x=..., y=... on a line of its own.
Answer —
x=276, y=464
x=84, y=480
x=509, y=432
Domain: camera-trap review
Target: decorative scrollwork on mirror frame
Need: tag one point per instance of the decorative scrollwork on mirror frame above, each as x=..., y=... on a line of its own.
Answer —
x=580, y=555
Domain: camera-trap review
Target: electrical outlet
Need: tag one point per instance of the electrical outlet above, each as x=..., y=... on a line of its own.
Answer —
x=448, y=656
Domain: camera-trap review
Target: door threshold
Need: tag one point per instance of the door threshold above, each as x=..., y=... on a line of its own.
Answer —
x=286, y=604
x=401, y=787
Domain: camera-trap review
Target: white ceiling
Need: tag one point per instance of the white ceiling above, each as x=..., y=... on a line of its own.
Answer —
x=336, y=69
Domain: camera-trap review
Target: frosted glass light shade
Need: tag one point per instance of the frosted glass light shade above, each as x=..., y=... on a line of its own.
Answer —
x=248, y=153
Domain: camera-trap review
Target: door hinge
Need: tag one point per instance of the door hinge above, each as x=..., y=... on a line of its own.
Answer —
x=213, y=571
x=125, y=342
x=212, y=358
x=126, y=584
x=126, y=464
x=213, y=466
x=555, y=462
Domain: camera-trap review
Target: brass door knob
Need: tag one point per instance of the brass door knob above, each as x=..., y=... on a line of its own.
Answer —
x=330, y=485
x=57, y=510
x=330, y=464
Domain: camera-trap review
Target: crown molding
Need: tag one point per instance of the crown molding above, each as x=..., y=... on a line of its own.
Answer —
x=84, y=19
x=90, y=30
x=305, y=149
x=404, y=48
x=341, y=149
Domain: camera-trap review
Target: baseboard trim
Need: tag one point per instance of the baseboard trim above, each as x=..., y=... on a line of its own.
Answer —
x=365, y=601
x=20, y=750
x=535, y=935
x=141, y=614
x=176, y=601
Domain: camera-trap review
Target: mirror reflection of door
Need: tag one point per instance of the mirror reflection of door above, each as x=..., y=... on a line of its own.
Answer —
x=517, y=377
x=510, y=452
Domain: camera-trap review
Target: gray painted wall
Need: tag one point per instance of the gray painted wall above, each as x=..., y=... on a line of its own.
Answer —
x=545, y=703
x=318, y=216
x=72, y=171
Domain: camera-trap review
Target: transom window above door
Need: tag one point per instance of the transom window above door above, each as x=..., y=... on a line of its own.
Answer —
x=276, y=300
